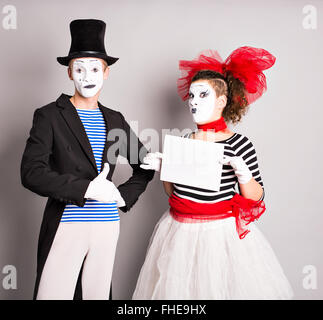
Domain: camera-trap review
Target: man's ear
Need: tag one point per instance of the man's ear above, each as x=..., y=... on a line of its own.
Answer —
x=69, y=71
x=106, y=73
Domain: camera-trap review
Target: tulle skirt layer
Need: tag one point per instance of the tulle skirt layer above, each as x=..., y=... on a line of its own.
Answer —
x=207, y=260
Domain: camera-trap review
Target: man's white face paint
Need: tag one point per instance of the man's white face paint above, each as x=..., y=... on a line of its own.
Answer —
x=87, y=76
x=202, y=99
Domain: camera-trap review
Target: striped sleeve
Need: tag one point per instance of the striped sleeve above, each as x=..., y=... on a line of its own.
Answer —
x=244, y=148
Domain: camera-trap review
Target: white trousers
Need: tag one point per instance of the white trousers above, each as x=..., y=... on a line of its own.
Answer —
x=75, y=241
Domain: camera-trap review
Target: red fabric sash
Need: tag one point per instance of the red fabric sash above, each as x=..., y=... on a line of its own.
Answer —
x=244, y=210
x=216, y=125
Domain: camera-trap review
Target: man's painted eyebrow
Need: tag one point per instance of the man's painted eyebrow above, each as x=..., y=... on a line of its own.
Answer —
x=88, y=60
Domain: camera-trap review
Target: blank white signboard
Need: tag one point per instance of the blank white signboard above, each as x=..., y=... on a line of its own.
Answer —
x=192, y=162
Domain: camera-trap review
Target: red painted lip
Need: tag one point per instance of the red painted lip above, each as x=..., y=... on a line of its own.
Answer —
x=90, y=86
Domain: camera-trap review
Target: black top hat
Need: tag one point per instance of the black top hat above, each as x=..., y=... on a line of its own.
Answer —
x=87, y=41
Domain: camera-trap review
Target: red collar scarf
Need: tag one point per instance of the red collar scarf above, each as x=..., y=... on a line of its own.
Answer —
x=216, y=125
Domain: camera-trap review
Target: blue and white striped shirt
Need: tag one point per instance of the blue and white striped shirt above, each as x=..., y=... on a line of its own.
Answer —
x=93, y=210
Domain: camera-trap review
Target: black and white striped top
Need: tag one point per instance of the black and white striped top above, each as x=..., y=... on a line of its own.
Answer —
x=237, y=145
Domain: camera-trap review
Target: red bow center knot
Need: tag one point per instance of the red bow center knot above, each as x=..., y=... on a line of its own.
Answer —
x=224, y=69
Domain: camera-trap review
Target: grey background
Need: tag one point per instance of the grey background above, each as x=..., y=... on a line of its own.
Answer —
x=150, y=37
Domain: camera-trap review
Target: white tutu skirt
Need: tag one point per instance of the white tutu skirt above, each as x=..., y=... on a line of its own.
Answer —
x=208, y=260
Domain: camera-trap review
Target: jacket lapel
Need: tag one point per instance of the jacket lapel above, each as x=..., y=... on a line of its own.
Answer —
x=107, y=126
x=73, y=120
x=111, y=122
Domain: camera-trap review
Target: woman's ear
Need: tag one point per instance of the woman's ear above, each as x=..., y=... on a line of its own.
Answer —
x=222, y=101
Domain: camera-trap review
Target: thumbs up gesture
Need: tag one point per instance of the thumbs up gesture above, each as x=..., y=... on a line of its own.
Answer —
x=102, y=176
x=101, y=189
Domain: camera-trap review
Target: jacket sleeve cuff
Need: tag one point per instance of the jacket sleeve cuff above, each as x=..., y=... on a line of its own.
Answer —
x=80, y=190
x=125, y=198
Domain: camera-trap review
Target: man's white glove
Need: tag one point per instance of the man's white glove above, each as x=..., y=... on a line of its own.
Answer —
x=240, y=168
x=152, y=161
x=101, y=189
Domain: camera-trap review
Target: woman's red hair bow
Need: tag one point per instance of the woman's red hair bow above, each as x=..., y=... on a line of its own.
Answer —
x=244, y=63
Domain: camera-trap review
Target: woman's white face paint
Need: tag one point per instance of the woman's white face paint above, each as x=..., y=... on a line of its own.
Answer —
x=87, y=76
x=202, y=99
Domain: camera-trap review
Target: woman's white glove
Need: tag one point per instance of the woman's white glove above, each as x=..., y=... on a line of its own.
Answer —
x=240, y=168
x=101, y=189
x=152, y=161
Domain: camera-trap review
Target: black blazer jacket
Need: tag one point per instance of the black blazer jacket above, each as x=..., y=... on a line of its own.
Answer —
x=58, y=163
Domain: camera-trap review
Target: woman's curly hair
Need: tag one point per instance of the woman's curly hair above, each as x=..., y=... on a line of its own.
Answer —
x=232, y=88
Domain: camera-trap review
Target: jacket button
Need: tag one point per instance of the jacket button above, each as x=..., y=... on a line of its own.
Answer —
x=69, y=148
x=79, y=168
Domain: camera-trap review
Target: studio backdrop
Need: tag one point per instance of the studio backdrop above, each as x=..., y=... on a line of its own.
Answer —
x=150, y=37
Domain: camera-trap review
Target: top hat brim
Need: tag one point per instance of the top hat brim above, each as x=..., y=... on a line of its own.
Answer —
x=65, y=60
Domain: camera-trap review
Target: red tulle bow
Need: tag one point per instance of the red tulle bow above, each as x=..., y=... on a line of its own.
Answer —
x=244, y=210
x=244, y=63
